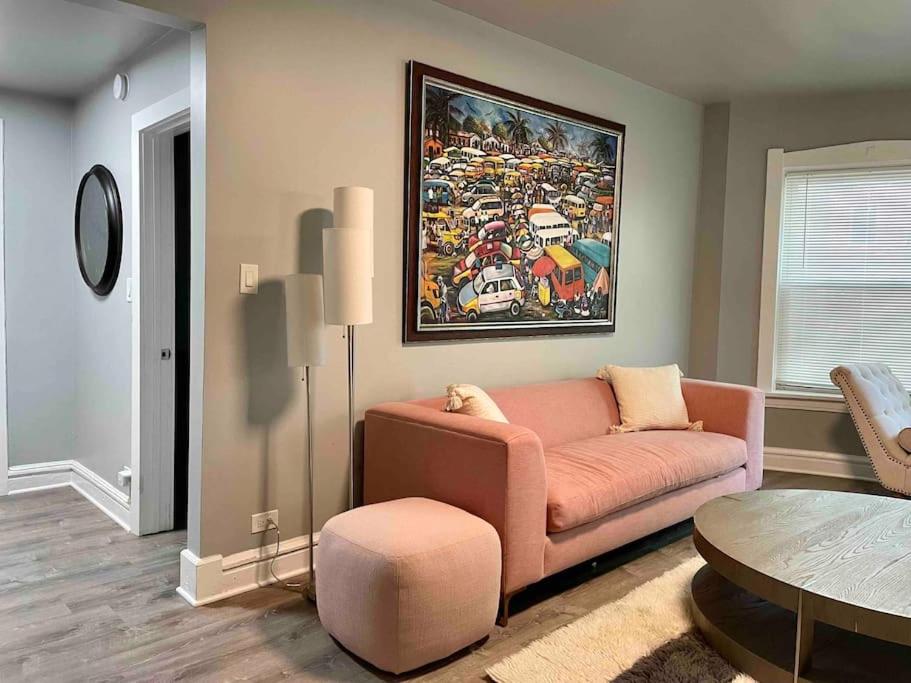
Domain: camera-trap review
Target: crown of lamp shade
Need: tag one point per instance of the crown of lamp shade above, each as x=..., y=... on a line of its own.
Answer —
x=352, y=209
x=306, y=323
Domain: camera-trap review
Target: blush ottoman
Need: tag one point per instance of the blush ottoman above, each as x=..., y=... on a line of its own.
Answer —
x=406, y=582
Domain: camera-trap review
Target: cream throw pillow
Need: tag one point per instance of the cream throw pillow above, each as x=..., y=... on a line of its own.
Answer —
x=649, y=398
x=468, y=399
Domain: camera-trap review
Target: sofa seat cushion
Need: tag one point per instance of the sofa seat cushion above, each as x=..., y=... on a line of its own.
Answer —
x=591, y=478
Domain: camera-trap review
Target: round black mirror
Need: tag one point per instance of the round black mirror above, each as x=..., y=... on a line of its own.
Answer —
x=99, y=230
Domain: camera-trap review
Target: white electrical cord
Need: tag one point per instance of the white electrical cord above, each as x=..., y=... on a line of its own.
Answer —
x=278, y=541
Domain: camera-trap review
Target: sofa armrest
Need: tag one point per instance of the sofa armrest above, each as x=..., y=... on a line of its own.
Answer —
x=734, y=410
x=490, y=469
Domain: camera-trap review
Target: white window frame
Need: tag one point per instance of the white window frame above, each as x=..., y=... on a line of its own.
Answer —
x=873, y=154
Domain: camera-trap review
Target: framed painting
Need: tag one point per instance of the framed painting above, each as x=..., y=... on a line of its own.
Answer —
x=512, y=213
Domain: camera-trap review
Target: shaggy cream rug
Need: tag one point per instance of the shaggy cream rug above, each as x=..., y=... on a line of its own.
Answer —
x=648, y=636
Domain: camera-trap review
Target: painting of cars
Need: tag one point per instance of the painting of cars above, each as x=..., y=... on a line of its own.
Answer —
x=512, y=213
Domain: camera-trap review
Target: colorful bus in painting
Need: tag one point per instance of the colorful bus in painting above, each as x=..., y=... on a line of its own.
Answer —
x=594, y=256
x=438, y=192
x=566, y=278
x=548, y=194
x=573, y=207
x=494, y=167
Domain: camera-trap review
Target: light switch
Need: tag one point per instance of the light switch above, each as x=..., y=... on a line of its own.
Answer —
x=249, y=278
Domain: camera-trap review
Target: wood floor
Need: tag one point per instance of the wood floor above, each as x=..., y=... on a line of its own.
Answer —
x=82, y=600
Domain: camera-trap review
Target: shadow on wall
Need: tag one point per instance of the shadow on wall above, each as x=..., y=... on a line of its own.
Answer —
x=310, y=246
x=268, y=378
x=270, y=383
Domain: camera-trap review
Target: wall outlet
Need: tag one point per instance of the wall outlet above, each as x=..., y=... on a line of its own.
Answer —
x=261, y=521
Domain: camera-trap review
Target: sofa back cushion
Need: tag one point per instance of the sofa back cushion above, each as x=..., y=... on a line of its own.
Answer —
x=558, y=412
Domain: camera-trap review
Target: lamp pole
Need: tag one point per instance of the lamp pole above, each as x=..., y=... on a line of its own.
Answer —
x=351, y=416
x=306, y=330
x=311, y=583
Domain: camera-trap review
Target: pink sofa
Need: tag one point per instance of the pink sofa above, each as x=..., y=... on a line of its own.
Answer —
x=557, y=487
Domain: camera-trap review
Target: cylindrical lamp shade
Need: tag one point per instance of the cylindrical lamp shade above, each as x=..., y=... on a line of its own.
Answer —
x=346, y=274
x=352, y=209
x=305, y=320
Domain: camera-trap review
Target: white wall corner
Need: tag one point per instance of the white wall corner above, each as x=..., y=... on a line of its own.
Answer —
x=204, y=580
x=200, y=577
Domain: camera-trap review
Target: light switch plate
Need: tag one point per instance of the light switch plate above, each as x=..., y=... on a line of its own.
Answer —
x=249, y=278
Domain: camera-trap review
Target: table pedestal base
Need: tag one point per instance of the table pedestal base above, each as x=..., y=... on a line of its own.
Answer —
x=763, y=640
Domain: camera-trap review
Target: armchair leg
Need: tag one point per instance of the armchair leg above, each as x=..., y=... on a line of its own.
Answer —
x=503, y=616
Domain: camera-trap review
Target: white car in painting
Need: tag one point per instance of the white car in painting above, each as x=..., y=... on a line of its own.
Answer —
x=486, y=209
x=496, y=288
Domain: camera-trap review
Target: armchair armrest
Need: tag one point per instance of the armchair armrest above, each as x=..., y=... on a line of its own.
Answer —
x=734, y=410
x=490, y=469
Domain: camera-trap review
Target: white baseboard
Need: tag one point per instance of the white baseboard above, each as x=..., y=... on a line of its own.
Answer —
x=49, y=475
x=204, y=580
x=839, y=465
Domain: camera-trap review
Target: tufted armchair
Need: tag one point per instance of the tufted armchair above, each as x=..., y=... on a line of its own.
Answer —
x=881, y=408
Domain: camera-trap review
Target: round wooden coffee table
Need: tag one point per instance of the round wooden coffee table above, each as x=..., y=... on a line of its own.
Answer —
x=800, y=575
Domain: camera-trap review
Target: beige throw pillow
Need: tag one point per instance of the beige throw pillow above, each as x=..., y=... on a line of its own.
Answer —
x=468, y=399
x=648, y=398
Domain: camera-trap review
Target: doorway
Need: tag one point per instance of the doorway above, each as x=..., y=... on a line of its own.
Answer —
x=161, y=316
x=181, y=326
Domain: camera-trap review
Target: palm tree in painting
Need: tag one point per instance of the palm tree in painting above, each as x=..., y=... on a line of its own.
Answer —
x=555, y=134
x=518, y=128
x=600, y=148
x=440, y=112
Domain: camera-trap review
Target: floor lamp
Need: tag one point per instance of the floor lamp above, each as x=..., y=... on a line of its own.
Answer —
x=348, y=276
x=306, y=348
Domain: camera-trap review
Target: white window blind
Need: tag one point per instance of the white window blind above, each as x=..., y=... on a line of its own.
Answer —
x=844, y=275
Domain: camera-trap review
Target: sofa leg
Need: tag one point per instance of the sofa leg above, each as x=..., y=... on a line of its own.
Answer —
x=503, y=617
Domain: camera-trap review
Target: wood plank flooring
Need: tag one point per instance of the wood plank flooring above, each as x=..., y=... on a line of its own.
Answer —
x=82, y=600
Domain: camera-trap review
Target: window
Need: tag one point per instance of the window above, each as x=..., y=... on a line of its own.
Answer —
x=840, y=289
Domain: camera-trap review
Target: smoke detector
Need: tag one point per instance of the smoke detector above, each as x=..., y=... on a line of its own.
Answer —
x=121, y=86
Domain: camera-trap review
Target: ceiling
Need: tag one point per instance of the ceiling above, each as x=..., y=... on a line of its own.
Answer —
x=717, y=50
x=56, y=48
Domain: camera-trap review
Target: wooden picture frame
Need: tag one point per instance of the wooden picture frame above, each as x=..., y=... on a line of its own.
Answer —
x=512, y=212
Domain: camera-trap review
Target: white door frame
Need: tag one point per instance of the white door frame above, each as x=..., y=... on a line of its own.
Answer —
x=4, y=433
x=152, y=439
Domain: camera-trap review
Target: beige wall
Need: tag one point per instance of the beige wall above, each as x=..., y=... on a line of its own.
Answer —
x=709, y=241
x=304, y=96
x=753, y=127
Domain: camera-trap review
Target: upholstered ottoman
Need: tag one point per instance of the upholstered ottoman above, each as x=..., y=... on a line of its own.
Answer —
x=406, y=582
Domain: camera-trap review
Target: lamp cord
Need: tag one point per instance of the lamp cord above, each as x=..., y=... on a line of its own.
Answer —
x=278, y=542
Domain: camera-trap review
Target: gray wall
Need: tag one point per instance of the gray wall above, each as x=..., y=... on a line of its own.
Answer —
x=39, y=259
x=101, y=135
x=753, y=127
x=305, y=96
x=811, y=431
